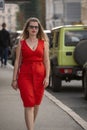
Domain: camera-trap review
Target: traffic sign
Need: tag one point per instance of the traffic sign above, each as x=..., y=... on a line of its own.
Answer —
x=2, y=4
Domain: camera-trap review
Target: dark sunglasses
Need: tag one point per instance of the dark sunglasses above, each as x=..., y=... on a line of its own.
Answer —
x=31, y=27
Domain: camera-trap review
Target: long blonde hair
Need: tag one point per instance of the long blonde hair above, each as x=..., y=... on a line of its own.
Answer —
x=40, y=34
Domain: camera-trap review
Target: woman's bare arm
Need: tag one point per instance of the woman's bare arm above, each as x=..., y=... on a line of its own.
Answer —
x=46, y=63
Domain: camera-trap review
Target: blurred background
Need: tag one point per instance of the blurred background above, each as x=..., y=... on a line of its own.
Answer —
x=50, y=12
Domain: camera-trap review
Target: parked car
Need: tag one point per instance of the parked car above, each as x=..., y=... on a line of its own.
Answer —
x=68, y=55
x=48, y=32
x=14, y=51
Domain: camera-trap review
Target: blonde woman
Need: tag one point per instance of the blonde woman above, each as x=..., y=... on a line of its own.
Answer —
x=32, y=68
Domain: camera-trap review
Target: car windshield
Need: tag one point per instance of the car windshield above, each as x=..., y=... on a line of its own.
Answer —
x=72, y=38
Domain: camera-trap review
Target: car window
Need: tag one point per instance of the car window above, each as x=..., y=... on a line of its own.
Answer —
x=53, y=38
x=50, y=39
x=72, y=38
x=48, y=32
x=56, y=39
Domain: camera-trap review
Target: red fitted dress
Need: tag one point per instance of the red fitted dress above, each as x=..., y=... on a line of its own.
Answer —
x=31, y=74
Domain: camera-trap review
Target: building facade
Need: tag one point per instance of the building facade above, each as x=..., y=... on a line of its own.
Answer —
x=8, y=15
x=62, y=12
x=84, y=12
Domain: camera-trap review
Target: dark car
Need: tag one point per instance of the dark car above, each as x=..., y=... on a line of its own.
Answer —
x=15, y=46
x=14, y=50
x=48, y=32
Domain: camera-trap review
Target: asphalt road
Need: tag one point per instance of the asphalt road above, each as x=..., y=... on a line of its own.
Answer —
x=72, y=96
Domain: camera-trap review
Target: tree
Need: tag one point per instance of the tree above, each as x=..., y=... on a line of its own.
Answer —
x=35, y=8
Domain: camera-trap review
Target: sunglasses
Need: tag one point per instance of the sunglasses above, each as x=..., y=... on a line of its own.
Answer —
x=31, y=27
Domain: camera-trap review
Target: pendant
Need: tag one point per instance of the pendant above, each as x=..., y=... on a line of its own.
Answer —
x=33, y=47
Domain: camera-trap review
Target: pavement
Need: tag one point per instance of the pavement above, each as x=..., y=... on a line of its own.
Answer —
x=53, y=114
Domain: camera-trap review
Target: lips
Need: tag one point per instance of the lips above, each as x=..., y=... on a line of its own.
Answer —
x=33, y=31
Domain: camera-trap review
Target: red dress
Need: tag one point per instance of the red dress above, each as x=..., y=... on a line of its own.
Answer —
x=31, y=74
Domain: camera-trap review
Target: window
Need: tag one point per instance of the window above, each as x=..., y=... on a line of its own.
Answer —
x=56, y=39
x=72, y=38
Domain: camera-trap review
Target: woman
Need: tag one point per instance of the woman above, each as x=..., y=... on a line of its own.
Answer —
x=32, y=68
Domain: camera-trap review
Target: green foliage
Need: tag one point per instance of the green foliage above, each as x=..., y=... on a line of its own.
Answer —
x=35, y=8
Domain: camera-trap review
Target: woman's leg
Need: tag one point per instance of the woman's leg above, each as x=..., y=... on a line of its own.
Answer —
x=36, y=108
x=29, y=117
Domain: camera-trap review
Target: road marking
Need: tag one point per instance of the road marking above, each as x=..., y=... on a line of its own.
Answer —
x=68, y=110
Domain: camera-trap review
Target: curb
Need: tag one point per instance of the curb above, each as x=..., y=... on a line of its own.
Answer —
x=68, y=110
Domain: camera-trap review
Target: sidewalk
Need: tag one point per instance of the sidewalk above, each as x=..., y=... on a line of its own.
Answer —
x=50, y=117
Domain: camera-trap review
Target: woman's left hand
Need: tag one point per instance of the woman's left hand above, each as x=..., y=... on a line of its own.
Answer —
x=46, y=82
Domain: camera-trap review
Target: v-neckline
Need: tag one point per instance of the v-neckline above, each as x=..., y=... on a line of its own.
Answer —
x=30, y=47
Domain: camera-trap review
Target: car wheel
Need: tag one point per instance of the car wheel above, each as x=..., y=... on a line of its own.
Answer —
x=85, y=85
x=49, y=82
x=80, y=53
x=56, y=83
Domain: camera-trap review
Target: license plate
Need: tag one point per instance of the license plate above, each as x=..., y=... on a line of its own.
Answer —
x=79, y=73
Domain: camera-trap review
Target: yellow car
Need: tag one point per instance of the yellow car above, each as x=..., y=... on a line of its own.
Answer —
x=68, y=54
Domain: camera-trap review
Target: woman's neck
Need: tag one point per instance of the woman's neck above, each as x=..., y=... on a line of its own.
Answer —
x=32, y=38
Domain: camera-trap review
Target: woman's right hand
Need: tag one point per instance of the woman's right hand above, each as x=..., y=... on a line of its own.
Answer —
x=14, y=84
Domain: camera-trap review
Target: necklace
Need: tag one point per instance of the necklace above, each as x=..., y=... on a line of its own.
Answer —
x=33, y=47
x=32, y=44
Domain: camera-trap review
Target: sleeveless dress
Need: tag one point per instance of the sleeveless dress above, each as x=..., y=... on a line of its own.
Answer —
x=31, y=74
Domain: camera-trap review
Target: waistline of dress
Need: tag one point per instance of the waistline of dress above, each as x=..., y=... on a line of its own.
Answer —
x=35, y=61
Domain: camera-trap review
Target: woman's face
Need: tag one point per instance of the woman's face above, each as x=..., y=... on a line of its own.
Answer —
x=33, y=28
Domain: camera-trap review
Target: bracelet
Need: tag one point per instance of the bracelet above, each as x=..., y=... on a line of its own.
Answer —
x=14, y=80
